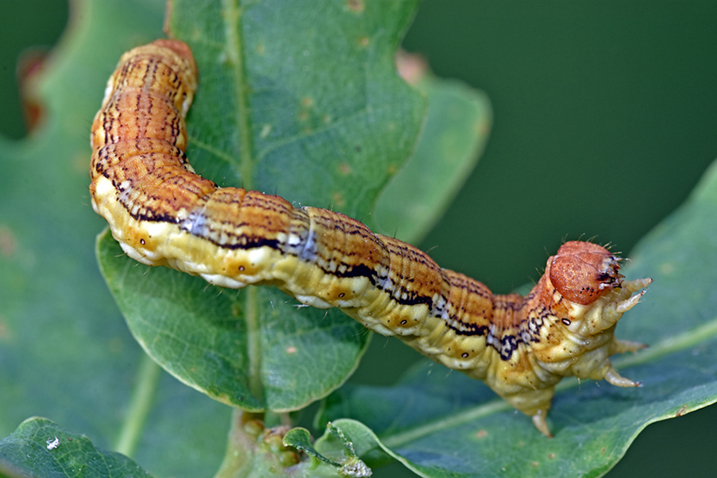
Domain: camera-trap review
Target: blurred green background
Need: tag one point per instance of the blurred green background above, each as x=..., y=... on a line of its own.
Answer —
x=605, y=116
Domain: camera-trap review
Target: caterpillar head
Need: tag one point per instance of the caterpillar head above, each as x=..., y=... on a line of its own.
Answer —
x=587, y=275
x=582, y=271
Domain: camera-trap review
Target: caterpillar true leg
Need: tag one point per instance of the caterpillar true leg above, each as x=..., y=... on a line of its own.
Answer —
x=622, y=346
x=618, y=380
x=162, y=213
x=540, y=423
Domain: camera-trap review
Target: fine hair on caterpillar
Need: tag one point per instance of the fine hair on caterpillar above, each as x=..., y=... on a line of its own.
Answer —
x=163, y=214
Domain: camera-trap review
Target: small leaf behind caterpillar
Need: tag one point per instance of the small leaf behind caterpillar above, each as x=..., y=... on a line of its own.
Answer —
x=162, y=213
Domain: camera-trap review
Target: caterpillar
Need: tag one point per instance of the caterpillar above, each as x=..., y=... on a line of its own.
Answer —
x=164, y=214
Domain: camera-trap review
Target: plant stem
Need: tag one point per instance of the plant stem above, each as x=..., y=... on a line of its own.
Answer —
x=254, y=349
x=139, y=406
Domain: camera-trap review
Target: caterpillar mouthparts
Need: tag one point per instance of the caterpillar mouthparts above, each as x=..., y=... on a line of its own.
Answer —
x=162, y=213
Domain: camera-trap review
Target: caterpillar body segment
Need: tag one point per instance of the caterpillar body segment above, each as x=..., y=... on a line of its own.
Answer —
x=163, y=214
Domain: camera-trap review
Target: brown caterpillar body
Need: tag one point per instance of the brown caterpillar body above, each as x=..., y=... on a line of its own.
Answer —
x=162, y=213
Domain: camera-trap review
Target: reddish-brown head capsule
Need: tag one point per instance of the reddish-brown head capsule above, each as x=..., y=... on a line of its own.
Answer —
x=582, y=271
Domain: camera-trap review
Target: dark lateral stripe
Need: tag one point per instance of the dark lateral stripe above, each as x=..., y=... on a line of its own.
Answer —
x=359, y=270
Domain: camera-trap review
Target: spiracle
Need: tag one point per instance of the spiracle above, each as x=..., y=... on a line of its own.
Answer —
x=163, y=214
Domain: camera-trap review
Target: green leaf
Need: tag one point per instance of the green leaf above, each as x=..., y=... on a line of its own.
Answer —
x=38, y=447
x=455, y=134
x=338, y=444
x=363, y=443
x=203, y=335
x=65, y=352
x=300, y=98
x=445, y=424
x=300, y=438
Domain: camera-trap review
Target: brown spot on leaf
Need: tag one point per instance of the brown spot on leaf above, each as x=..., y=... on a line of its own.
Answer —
x=8, y=242
x=483, y=127
x=345, y=169
x=338, y=199
x=411, y=67
x=30, y=70
x=355, y=5
x=4, y=329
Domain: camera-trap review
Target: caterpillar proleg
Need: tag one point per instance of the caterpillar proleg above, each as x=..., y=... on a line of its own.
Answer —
x=163, y=214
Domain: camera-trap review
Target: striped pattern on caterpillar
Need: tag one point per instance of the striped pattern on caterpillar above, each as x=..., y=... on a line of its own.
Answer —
x=162, y=213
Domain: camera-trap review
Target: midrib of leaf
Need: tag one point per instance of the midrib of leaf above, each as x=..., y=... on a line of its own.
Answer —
x=398, y=439
x=253, y=342
x=139, y=406
x=665, y=347
x=232, y=13
x=671, y=345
